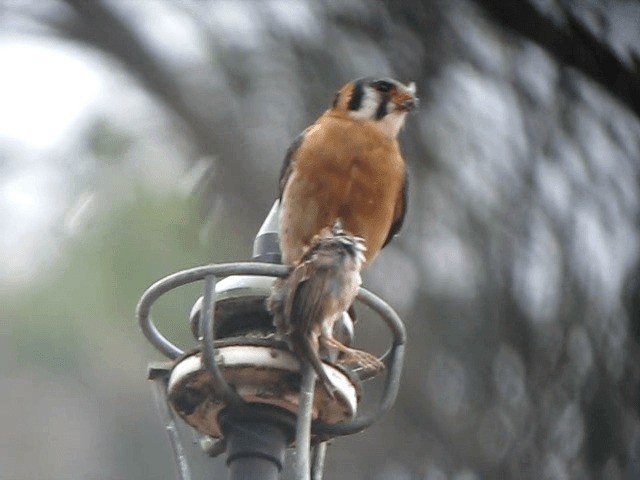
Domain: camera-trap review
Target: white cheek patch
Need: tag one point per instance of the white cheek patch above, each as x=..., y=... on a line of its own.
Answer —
x=368, y=107
x=412, y=88
x=391, y=124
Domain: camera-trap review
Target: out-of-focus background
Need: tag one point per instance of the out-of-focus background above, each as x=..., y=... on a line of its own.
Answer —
x=138, y=138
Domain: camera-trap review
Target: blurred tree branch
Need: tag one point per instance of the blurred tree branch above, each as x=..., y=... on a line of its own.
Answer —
x=99, y=26
x=573, y=45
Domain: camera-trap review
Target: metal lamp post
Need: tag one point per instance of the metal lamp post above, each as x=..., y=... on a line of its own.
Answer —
x=241, y=387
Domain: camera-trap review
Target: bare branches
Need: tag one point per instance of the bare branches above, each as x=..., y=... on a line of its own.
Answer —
x=100, y=27
x=572, y=44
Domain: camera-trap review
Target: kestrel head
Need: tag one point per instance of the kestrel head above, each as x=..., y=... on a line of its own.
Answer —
x=383, y=101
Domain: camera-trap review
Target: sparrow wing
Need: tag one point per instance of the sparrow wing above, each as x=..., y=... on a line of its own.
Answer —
x=305, y=312
x=305, y=305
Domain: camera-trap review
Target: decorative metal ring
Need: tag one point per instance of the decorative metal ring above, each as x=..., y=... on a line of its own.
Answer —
x=393, y=358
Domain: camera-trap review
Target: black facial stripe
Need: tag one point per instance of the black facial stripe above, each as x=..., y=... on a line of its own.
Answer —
x=382, y=108
x=356, y=97
x=383, y=86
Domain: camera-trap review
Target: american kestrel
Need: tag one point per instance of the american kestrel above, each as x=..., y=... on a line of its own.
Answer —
x=348, y=166
x=343, y=184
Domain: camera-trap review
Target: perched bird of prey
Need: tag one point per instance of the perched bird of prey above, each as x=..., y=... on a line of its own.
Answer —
x=343, y=183
x=348, y=166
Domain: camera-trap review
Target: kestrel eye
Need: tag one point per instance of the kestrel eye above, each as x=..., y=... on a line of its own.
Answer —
x=382, y=86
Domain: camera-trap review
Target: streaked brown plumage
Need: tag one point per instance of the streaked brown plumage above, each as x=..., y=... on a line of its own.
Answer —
x=307, y=303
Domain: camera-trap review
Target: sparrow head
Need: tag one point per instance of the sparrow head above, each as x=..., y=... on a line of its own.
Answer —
x=340, y=242
x=383, y=101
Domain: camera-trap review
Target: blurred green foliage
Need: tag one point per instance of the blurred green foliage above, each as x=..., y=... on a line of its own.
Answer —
x=101, y=275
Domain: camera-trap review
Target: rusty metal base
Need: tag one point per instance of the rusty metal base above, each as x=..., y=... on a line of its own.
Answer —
x=262, y=373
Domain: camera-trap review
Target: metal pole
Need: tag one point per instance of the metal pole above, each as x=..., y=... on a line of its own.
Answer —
x=208, y=347
x=319, y=454
x=179, y=455
x=303, y=424
x=255, y=444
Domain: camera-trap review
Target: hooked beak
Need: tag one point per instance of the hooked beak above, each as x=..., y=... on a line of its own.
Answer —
x=411, y=104
x=406, y=98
